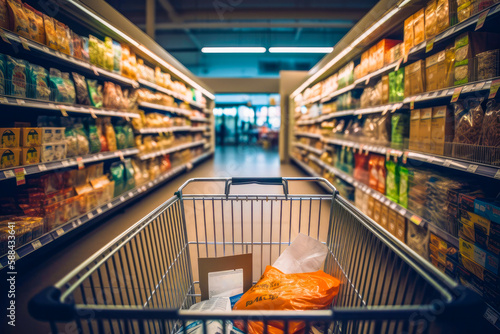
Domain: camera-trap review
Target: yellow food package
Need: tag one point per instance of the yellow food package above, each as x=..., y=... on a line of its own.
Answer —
x=10, y=137
x=30, y=155
x=442, y=15
x=18, y=21
x=31, y=137
x=278, y=291
x=9, y=157
x=419, y=27
x=33, y=27
x=430, y=19
x=408, y=35
x=62, y=37
x=50, y=32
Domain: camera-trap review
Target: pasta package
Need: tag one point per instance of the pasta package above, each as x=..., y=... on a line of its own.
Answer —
x=469, y=116
x=82, y=93
x=4, y=14
x=491, y=124
x=18, y=21
x=50, y=32
x=414, y=82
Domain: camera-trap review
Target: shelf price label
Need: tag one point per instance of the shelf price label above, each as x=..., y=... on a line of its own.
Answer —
x=497, y=174
x=92, y=113
x=120, y=154
x=429, y=45
x=42, y=167
x=472, y=168
x=64, y=112
x=36, y=244
x=405, y=58
x=495, y=84
x=398, y=64
x=9, y=173
x=447, y=163
x=456, y=94
x=4, y=36
x=24, y=43
x=20, y=176
x=412, y=102
x=60, y=232
x=416, y=220
x=481, y=19
x=79, y=162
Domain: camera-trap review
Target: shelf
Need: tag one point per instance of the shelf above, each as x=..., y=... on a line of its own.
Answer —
x=179, y=111
x=172, y=129
x=118, y=201
x=310, y=135
x=173, y=94
x=338, y=92
x=309, y=148
x=59, y=57
x=200, y=119
x=61, y=107
x=146, y=156
x=412, y=217
x=311, y=172
x=66, y=163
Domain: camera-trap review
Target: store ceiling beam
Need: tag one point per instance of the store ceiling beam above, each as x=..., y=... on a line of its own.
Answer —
x=267, y=24
x=150, y=17
x=172, y=13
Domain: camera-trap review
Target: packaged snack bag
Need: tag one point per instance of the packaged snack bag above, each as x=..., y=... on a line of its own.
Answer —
x=18, y=21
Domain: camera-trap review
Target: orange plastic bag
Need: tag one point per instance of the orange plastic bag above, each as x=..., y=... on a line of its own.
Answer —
x=278, y=291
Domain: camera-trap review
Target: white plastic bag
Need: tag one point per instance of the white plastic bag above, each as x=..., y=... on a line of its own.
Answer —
x=219, y=304
x=304, y=255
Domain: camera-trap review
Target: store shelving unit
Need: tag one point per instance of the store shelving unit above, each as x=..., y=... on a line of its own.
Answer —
x=382, y=22
x=95, y=214
x=98, y=18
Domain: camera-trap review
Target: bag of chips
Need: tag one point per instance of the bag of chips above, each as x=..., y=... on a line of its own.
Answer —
x=40, y=78
x=18, y=21
x=95, y=93
x=4, y=14
x=82, y=93
x=50, y=32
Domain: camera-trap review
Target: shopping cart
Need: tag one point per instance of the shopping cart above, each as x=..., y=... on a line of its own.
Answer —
x=145, y=279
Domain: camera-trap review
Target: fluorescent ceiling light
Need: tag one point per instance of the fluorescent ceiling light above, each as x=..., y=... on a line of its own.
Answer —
x=252, y=49
x=300, y=50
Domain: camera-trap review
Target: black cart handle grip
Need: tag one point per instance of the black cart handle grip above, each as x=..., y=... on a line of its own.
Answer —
x=268, y=181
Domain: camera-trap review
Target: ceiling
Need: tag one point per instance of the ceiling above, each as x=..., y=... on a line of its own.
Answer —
x=183, y=27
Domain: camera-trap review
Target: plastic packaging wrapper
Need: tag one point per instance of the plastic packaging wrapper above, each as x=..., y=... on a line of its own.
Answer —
x=469, y=117
x=278, y=291
x=219, y=304
x=305, y=254
x=491, y=125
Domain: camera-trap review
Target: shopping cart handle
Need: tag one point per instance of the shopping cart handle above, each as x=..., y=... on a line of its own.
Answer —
x=46, y=306
x=270, y=181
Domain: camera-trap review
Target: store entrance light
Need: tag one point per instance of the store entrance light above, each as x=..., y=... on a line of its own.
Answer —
x=300, y=49
x=251, y=49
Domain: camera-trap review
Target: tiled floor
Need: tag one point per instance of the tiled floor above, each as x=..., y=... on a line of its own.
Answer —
x=228, y=161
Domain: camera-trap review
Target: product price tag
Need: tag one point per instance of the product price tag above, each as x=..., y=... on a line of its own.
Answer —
x=398, y=64
x=495, y=84
x=20, y=176
x=20, y=102
x=429, y=45
x=402, y=212
x=430, y=159
x=497, y=174
x=24, y=43
x=64, y=112
x=36, y=244
x=412, y=102
x=4, y=36
x=65, y=163
x=9, y=173
x=120, y=154
x=416, y=220
x=359, y=116
x=456, y=94
x=4, y=100
x=491, y=316
x=95, y=70
x=130, y=194
x=405, y=157
x=387, y=155
x=79, y=162
x=42, y=167
x=90, y=215
x=405, y=58
x=78, y=222
x=127, y=118
x=393, y=206
x=74, y=224
x=367, y=81
x=447, y=163
x=92, y=113
x=480, y=20
x=99, y=210
x=60, y=232
x=122, y=199
x=472, y=168
x=386, y=109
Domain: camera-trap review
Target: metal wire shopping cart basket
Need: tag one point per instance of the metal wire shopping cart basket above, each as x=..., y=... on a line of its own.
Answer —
x=145, y=279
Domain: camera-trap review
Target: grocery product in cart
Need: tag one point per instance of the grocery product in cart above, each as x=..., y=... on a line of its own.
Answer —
x=146, y=279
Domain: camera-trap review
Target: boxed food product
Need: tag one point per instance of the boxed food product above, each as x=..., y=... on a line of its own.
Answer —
x=430, y=19
x=487, y=208
x=371, y=206
x=380, y=51
x=392, y=181
x=30, y=155
x=392, y=222
x=385, y=90
x=415, y=130
x=32, y=137
x=417, y=238
x=484, y=258
x=396, y=85
x=425, y=129
x=10, y=137
x=384, y=217
x=474, y=228
x=414, y=78
x=53, y=152
x=445, y=14
x=377, y=209
x=400, y=228
x=409, y=36
x=419, y=27
x=442, y=129
x=400, y=129
x=10, y=157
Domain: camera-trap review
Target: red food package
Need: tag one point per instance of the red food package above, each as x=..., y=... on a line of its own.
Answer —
x=361, y=168
x=381, y=175
x=373, y=166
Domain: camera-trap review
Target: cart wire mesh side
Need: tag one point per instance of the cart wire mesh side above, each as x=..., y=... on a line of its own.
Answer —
x=145, y=280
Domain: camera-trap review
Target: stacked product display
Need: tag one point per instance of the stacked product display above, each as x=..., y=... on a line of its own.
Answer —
x=82, y=136
x=408, y=130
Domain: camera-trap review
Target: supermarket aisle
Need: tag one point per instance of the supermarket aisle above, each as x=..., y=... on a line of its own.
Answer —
x=228, y=161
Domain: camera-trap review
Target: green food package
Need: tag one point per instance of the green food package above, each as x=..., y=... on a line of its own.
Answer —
x=94, y=140
x=108, y=54
x=392, y=181
x=129, y=175
x=396, y=86
x=95, y=93
x=117, y=171
x=82, y=139
x=17, y=77
x=40, y=77
x=129, y=134
x=403, y=186
x=2, y=74
x=117, y=57
x=71, y=142
x=121, y=137
x=400, y=129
